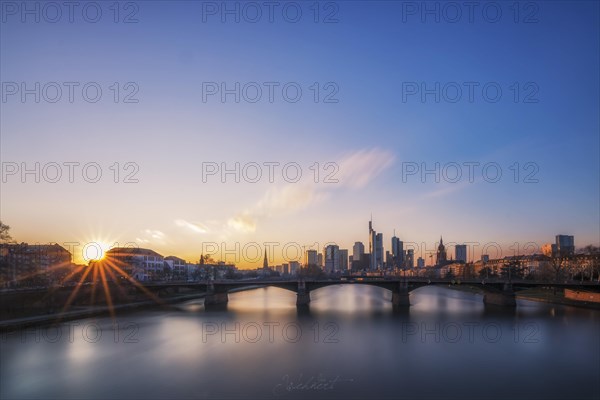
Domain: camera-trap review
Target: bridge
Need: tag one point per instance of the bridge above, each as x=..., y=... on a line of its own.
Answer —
x=496, y=292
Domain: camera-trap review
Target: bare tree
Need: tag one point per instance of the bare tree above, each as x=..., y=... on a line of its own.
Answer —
x=593, y=252
x=557, y=265
x=4, y=233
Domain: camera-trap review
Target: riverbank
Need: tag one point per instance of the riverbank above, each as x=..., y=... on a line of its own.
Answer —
x=535, y=294
x=549, y=296
x=96, y=311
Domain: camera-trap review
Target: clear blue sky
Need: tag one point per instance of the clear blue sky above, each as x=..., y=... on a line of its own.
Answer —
x=370, y=53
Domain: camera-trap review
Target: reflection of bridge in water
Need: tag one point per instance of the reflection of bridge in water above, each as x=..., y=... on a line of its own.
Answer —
x=496, y=292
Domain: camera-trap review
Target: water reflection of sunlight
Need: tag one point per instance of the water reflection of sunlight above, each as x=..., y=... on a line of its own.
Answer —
x=180, y=340
x=443, y=299
x=270, y=298
x=82, y=349
x=350, y=298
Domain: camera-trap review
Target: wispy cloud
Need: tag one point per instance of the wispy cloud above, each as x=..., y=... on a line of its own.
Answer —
x=155, y=234
x=242, y=223
x=445, y=190
x=291, y=197
x=152, y=236
x=355, y=171
x=359, y=168
x=195, y=227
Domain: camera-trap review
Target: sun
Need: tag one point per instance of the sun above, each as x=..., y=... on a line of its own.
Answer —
x=94, y=250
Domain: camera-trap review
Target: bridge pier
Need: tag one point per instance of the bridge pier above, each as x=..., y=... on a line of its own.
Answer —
x=504, y=298
x=303, y=295
x=400, y=296
x=215, y=297
x=303, y=299
x=400, y=299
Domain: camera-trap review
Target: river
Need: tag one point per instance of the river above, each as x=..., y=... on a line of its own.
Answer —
x=348, y=344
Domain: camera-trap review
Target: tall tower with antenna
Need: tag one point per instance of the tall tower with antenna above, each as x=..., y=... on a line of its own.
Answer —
x=372, y=246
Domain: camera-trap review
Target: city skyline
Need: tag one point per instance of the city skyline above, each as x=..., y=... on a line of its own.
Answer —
x=278, y=253
x=182, y=237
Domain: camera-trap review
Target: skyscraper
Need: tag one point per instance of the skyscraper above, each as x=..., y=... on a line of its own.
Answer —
x=410, y=258
x=397, y=251
x=332, y=258
x=357, y=251
x=375, y=248
x=344, y=260
x=565, y=245
x=294, y=267
x=360, y=259
x=460, y=252
x=311, y=257
x=372, y=245
x=379, y=250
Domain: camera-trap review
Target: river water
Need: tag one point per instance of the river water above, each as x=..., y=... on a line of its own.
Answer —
x=349, y=343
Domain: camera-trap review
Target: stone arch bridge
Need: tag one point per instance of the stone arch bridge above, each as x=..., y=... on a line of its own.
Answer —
x=496, y=292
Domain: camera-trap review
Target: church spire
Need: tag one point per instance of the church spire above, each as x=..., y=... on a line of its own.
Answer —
x=266, y=261
x=441, y=259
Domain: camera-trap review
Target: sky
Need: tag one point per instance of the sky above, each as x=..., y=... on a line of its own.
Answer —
x=367, y=94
